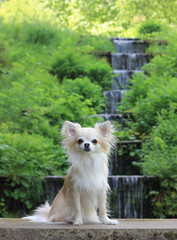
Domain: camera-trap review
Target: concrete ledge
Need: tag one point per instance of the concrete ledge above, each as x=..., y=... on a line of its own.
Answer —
x=130, y=229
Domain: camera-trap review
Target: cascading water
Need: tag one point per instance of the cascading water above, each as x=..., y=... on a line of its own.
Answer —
x=113, y=97
x=121, y=79
x=128, y=60
x=128, y=196
x=129, y=45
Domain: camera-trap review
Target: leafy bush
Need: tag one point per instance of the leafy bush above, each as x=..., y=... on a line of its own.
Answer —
x=46, y=103
x=149, y=27
x=24, y=192
x=69, y=64
x=158, y=148
x=98, y=43
x=24, y=159
x=100, y=73
x=157, y=99
x=152, y=91
x=72, y=64
x=28, y=155
x=91, y=92
x=139, y=88
x=159, y=158
x=39, y=33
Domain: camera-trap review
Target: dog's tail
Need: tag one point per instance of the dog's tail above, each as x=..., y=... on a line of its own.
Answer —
x=41, y=214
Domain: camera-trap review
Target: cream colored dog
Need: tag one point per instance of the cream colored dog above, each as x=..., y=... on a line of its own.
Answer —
x=84, y=192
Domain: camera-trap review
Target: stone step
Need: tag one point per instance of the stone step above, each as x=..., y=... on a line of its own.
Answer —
x=134, y=229
x=124, y=38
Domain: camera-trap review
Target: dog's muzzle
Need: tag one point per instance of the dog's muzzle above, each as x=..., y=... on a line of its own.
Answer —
x=87, y=147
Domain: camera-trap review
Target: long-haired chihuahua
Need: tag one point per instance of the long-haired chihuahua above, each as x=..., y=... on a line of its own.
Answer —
x=82, y=199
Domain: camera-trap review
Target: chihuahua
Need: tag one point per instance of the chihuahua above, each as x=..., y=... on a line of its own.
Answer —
x=82, y=199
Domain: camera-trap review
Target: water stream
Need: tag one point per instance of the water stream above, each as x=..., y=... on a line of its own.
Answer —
x=129, y=196
x=128, y=199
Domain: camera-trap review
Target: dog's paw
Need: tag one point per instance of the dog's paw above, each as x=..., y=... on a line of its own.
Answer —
x=113, y=222
x=78, y=222
x=109, y=221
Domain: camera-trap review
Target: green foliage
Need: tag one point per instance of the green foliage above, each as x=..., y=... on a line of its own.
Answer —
x=24, y=154
x=99, y=43
x=149, y=27
x=69, y=63
x=111, y=17
x=159, y=158
x=3, y=208
x=139, y=88
x=34, y=103
x=19, y=11
x=159, y=151
x=90, y=92
x=157, y=99
x=41, y=106
x=100, y=72
x=76, y=15
x=20, y=194
x=3, y=59
x=39, y=33
x=24, y=160
x=126, y=133
x=153, y=90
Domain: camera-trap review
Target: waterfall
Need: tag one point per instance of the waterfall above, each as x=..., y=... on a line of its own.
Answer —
x=129, y=190
x=127, y=61
x=120, y=81
x=128, y=198
x=113, y=97
x=129, y=45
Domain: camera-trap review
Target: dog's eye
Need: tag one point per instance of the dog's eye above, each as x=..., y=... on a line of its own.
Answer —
x=94, y=141
x=80, y=141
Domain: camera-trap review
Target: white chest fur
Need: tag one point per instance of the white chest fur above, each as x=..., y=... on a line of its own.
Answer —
x=89, y=172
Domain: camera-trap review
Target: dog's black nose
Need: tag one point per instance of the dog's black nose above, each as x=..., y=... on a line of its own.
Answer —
x=86, y=145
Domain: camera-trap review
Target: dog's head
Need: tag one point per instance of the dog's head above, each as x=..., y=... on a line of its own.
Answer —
x=88, y=140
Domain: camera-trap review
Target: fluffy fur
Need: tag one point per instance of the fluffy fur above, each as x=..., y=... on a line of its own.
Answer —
x=83, y=194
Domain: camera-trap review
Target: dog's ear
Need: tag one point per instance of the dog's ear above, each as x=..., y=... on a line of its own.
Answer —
x=71, y=128
x=104, y=128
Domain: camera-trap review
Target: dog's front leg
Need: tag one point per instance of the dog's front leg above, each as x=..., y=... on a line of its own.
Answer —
x=102, y=209
x=78, y=211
